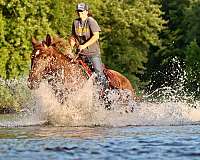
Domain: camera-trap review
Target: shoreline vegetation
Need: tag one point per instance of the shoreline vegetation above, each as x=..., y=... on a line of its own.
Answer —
x=13, y=96
x=139, y=39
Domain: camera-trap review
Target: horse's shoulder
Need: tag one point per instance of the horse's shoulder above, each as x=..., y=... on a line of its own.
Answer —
x=63, y=57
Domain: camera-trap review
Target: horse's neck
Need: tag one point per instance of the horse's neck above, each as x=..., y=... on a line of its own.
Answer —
x=59, y=61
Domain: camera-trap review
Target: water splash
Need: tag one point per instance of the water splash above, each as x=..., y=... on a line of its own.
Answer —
x=165, y=106
x=83, y=108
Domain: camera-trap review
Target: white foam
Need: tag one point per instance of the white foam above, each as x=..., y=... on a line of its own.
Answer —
x=83, y=108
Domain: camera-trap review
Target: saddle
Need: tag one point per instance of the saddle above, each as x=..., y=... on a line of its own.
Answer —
x=111, y=77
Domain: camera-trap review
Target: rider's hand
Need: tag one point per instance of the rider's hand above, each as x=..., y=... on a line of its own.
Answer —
x=77, y=51
x=81, y=47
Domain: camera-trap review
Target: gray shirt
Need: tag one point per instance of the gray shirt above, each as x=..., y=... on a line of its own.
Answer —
x=84, y=31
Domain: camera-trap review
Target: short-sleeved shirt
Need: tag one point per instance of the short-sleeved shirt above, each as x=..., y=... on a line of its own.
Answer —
x=84, y=31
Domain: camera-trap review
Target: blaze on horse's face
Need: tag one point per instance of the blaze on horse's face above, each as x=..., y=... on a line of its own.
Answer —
x=38, y=63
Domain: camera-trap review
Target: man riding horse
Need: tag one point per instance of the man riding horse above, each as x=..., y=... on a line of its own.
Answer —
x=86, y=30
x=49, y=60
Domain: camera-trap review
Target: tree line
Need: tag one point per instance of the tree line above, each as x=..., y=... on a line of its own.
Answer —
x=152, y=42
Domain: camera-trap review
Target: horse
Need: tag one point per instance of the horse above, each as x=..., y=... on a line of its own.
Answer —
x=52, y=59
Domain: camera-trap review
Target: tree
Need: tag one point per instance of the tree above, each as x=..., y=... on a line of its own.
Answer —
x=192, y=49
x=19, y=21
x=180, y=33
x=128, y=30
x=192, y=63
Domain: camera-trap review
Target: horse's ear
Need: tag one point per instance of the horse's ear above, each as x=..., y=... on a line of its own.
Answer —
x=48, y=40
x=34, y=41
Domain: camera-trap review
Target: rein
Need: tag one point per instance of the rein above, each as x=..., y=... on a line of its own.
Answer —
x=86, y=53
x=76, y=45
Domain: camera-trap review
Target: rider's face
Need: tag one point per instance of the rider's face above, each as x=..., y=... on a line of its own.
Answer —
x=82, y=14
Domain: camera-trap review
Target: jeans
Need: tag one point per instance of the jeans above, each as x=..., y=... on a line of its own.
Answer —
x=98, y=67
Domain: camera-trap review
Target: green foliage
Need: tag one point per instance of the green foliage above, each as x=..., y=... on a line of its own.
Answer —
x=173, y=36
x=62, y=15
x=128, y=29
x=192, y=62
x=192, y=49
x=20, y=20
x=191, y=22
x=13, y=95
x=182, y=30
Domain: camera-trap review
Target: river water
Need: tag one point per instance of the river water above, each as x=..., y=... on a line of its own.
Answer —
x=131, y=142
x=82, y=129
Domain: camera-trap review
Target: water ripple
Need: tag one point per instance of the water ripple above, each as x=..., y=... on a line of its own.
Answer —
x=149, y=142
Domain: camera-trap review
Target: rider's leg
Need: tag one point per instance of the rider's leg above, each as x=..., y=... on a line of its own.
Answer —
x=97, y=64
x=101, y=78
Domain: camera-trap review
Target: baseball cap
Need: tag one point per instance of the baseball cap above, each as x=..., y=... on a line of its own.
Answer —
x=82, y=7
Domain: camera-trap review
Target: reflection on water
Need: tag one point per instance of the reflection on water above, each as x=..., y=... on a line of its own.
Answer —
x=150, y=142
x=48, y=132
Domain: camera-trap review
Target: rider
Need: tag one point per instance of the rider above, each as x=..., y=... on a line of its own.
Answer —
x=86, y=30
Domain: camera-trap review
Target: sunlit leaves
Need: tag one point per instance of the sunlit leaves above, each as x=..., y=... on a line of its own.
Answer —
x=129, y=28
x=20, y=20
x=192, y=62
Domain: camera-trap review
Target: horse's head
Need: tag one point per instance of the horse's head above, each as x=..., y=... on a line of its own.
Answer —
x=41, y=61
x=48, y=57
x=38, y=63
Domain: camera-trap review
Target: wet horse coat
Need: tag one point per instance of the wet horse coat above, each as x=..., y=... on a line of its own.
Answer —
x=48, y=62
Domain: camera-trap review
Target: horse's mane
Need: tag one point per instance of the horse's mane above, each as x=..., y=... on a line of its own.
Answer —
x=60, y=47
x=60, y=44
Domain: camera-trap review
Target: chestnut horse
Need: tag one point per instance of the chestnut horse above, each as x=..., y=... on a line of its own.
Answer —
x=52, y=60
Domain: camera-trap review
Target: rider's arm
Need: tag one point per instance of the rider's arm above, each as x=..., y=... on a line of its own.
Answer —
x=72, y=40
x=92, y=40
